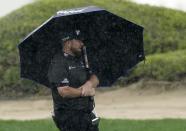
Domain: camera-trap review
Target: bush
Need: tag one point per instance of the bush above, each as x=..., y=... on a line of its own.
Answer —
x=166, y=66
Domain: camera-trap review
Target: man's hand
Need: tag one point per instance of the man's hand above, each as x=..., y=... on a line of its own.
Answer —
x=69, y=92
x=87, y=89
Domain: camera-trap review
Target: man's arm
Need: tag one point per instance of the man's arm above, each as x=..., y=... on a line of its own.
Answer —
x=87, y=89
x=93, y=81
x=90, y=85
x=70, y=92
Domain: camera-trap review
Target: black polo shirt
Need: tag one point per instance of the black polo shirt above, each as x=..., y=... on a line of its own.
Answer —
x=68, y=70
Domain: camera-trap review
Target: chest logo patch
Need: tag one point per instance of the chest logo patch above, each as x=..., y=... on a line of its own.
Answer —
x=71, y=67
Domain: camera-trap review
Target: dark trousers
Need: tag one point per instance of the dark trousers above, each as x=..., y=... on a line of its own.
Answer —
x=75, y=121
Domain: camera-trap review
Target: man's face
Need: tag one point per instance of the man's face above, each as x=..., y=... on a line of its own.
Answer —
x=76, y=47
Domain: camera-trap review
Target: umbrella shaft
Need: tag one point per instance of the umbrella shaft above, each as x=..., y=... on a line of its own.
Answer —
x=85, y=57
x=87, y=66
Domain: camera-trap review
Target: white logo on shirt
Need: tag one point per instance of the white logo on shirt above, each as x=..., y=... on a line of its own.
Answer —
x=71, y=67
x=65, y=80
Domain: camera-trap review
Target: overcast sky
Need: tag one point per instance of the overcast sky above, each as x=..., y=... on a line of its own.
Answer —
x=174, y=4
x=6, y=6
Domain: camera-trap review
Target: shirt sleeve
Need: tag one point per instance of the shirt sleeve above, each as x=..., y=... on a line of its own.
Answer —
x=58, y=73
x=93, y=72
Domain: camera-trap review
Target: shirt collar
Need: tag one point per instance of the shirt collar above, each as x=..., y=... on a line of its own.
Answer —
x=69, y=56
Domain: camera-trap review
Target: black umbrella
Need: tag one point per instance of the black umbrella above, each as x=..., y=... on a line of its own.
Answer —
x=114, y=45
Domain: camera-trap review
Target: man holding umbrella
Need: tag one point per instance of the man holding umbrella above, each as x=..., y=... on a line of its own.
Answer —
x=73, y=86
x=115, y=46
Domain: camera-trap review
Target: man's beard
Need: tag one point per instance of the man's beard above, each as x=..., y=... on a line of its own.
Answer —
x=77, y=53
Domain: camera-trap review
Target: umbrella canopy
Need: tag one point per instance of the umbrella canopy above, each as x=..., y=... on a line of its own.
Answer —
x=114, y=45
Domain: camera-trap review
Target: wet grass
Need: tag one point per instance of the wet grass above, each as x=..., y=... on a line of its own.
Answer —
x=105, y=125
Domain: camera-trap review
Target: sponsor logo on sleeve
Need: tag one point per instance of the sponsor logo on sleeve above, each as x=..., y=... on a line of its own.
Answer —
x=65, y=81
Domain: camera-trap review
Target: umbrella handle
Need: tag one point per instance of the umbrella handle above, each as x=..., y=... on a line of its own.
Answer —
x=94, y=111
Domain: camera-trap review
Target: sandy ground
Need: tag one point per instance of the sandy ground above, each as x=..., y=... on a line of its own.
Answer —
x=125, y=103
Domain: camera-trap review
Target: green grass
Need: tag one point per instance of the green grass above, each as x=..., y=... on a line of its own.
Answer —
x=105, y=125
